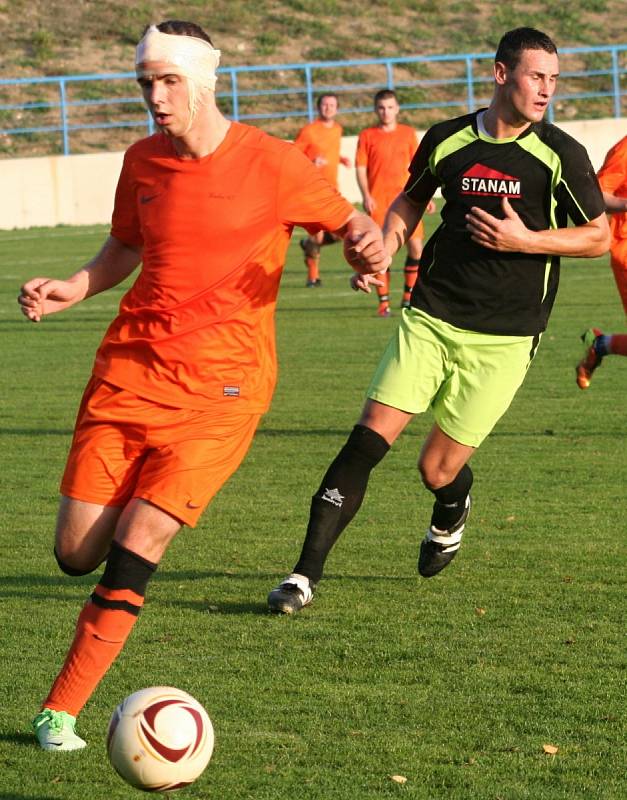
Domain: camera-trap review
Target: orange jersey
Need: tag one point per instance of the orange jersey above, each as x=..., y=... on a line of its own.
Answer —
x=613, y=179
x=316, y=140
x=387, y=156
x=197, y=327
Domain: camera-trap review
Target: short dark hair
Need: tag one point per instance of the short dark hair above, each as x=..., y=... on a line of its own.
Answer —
x=178, y=27
x=514, y=42
x=326, y=94
x=384, y=94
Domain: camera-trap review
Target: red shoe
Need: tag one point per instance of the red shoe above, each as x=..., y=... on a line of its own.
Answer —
x=591, y=359
x=384, y=311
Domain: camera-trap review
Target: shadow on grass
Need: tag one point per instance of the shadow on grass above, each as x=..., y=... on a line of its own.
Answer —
x=303, y=433
x=14, y=796
x=27, y=581
x=23, y=739
x=21, y=586
x=221, y=608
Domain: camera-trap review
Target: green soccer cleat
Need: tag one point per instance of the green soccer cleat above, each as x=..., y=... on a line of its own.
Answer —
x=55, y=731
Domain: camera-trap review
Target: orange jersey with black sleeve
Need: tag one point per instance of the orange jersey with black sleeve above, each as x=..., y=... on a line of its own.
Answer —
x=197, y=327
x=317, y=140
x=613, y=179
x=386, y=156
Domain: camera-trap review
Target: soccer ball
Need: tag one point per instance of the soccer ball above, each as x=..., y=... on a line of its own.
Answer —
x=159, y=739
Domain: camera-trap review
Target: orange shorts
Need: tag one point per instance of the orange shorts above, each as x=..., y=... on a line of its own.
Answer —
x=125, y=446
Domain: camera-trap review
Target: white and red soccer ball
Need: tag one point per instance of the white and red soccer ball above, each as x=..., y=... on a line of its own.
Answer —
x=160, y=739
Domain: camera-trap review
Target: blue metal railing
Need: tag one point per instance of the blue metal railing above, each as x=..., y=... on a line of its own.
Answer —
x=282, y=92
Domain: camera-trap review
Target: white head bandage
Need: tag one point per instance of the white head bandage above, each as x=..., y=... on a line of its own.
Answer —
x=193, y=58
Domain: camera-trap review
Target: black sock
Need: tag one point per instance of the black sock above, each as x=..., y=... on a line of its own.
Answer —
x=450, y=499
x=339, y=497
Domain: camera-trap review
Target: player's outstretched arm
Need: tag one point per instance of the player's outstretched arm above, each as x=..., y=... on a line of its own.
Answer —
x=41, y=296
x=510, y=234
x=401, y=220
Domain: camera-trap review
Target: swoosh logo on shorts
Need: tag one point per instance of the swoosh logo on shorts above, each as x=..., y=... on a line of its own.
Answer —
x=192, y=505
x=147, y=198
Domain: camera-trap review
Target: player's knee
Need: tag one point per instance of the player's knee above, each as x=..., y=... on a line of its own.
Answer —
x=71, y=564
x=434, y=474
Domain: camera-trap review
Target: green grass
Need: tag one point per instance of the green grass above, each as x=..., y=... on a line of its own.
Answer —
x=455, y=683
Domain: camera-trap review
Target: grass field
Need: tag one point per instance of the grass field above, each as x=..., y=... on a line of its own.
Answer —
x=455, y=683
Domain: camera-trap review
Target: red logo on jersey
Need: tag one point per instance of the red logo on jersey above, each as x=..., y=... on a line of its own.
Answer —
x=484, y=181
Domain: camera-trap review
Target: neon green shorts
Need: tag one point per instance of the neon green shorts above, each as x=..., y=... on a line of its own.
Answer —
x=469, y=379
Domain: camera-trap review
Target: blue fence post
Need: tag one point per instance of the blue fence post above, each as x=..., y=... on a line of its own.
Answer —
x=468, y=91
x=234, y=96
x=64, y=127
x=309, y=88
x=470, y=86
x=616, y=83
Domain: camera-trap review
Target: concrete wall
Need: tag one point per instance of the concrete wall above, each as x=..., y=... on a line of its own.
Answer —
x=79, y=190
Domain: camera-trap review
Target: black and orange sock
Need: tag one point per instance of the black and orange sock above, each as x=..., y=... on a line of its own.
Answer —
x=313, y=268
x=410, y=272
x=103, y=627
x=383, y=292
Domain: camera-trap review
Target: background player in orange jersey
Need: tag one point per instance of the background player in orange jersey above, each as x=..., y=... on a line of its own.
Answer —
x=320, y=141
x=187, y=367
x=613, y=181
x=384, y=153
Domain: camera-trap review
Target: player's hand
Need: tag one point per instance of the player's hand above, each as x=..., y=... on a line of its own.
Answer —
x=363, y=283
x=431, y=207
x=41, y=296
x=363, y=245
x=509, y=234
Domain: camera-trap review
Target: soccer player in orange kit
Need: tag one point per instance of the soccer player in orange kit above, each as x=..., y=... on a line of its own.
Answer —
x=188, y=366
x=320, y=141
x=384, y=153
x=613, y=180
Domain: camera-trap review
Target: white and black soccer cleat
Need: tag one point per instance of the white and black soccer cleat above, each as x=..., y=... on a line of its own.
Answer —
x=292, y=594
x=439, y=547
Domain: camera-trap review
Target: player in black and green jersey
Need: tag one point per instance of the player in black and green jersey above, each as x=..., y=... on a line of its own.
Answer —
x=488, y=279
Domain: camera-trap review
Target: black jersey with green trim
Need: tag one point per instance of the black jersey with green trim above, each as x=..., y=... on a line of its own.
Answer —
x=546, y=176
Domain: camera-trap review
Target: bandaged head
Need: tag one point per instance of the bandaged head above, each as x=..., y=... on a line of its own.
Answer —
x=194, y=58
x=189, y=56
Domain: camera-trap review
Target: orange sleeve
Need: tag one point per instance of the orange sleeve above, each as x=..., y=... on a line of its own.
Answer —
x=306, y=198
x=361, y=157
x=302, y=140
x=125, y=220
x=613, y=174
